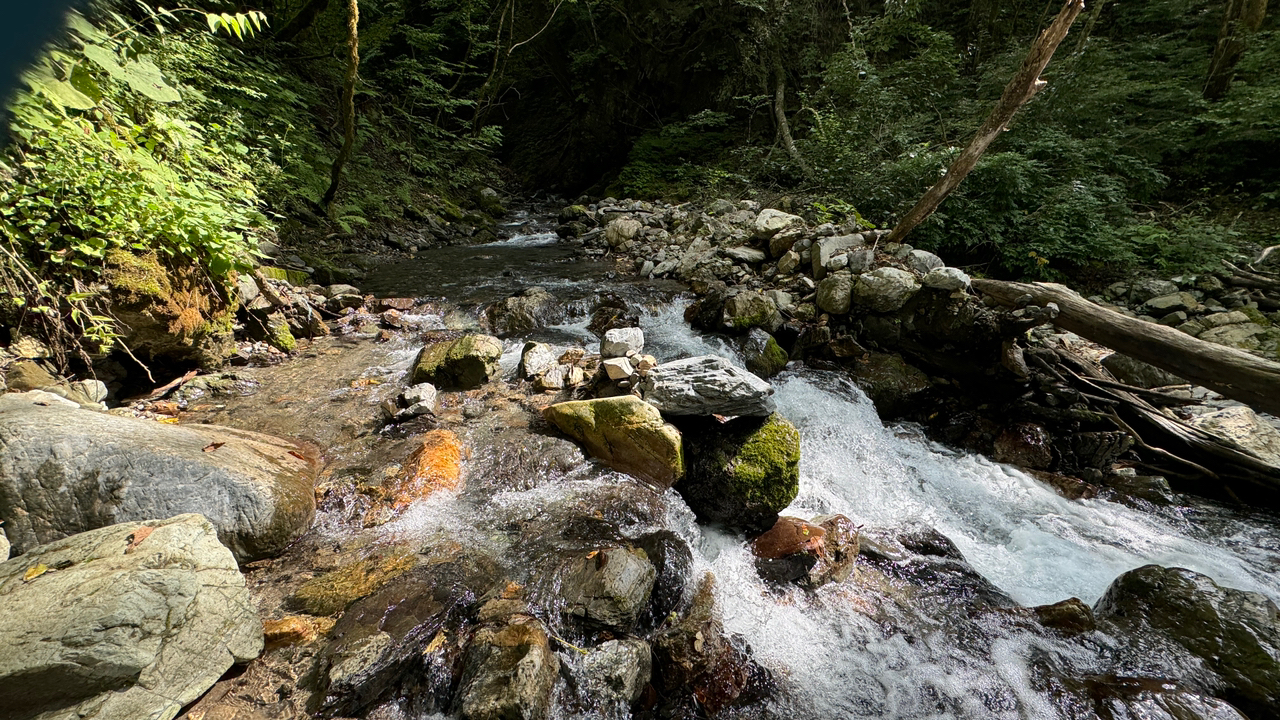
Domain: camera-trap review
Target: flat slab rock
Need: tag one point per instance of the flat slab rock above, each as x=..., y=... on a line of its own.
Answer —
x=706, y=385
x=64, y=470
x=123, y=622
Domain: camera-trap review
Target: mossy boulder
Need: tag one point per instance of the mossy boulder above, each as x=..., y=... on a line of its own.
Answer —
x=625, y=432
x=741, y=473
x=762, y=354
x=748, y=310
x=293, y=277
x=462, y=364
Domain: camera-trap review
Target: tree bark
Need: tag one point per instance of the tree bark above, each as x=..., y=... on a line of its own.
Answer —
x=1020, y=89
x=780, y=113
x=302, y=20
x=1234, y=373
x=348, y=105
x=1242, y=19
x=1089, y=24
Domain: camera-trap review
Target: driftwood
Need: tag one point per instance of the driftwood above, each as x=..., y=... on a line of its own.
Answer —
x=1020, y=89
x=1233, y=373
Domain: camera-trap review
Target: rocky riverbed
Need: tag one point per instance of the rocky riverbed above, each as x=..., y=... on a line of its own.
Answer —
x=545, y=494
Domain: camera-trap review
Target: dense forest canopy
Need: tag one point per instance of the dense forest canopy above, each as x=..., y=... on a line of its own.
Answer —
x=147, y=134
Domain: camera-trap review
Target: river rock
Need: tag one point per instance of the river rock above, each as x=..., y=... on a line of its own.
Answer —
x=64, y=470
x=770, y=222
x=509, y=672
x=1242, y=337
x=1243, y=426
x=788, y=263
x=535, y=359
x=762, y=353
x=625, y=432
x=835, y=293
x=27, y=375
x=785, y=240
x=885, y=290
x=616, y=673
x=1173, y=302
x=463, y=364
x=621, y=342
x=618, y=368
x=1232, y=636
x=747, y=310
x=522, y=314
x=706, y=385
x=946, y=278
x=1137, y=373
x=621, y=230
x=1025, y=445
x=608, y=587
x=128, y=621
x=825, y=249
x=745, y=254
x=743, y=472
x=923, y=261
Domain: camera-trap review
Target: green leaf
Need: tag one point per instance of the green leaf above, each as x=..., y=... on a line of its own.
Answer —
x=77, y=24
x=81, y=79
x=212, y=19
x=104, y=58
x=144, y=77
x=61, y=92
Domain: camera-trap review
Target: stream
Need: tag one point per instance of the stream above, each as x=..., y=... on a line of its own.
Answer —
x=847, y=650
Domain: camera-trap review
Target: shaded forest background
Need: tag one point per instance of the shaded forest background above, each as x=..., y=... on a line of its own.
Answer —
x=160, y=134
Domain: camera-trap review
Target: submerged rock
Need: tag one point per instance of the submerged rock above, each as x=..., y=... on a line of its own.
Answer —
x=123, y=622
x=509, y=672
x=706, y=385
x=609, y=587
x=332, y=592
x=520, y=314
x=741, y=473
x=1232, y=636
x=464, y=364
x=64, y=470
x=625, y=432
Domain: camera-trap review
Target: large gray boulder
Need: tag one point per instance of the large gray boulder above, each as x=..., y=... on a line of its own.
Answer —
x=835, y=293
x=123, y=622
x=65, y=470
x=522, y=314
x=706, y=385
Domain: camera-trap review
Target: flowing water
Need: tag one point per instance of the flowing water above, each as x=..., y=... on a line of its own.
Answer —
x=847, y=650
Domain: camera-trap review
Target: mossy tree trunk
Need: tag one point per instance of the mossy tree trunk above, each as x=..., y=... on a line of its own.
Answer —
x=348, y=104
x=780, y=114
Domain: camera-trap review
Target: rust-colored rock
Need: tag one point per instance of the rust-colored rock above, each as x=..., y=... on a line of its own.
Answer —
x=294, y=630
x=789, y=536
x=436, y=465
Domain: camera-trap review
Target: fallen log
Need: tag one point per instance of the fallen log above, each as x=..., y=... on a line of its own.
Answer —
x=1234, y=373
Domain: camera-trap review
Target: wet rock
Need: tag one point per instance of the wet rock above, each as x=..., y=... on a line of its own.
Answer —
x=407, y=638
x=1026, y=445
x=746, y=310
x=762, y=353
x=945, y=278
x=1244, y=427
x=741, y=473
x=64, y=470
x=835, y=293
x=1070, y=617
x=508, y=673
x=127, y=621
x=770, y=222
x=609, y=587
x=696, y=659
x=332, y=592
x=616, y=672
x=522, y=314
x=621, y=342
x=706, y=385
x=535, y=359
x=463, y=364
x=1232, y=636
x=892, y=384
x=434, y=466
x=885, y=290
x=294, y=630
x=612, y=312
x=625, y=432
x=1137, y=373
x=923, y=261
x=419, y=397
x=789, y=550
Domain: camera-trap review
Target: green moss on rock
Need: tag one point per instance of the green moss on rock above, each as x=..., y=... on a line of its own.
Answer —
x=462, y=364
x=332, y=592
x=626, y=432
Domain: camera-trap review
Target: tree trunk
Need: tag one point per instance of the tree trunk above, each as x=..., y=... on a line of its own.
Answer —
x=348, y=105
x=1020, y=89
x=780, y=113
x=1090, y=22
x=1242, y=19
x=302, y=20
x=1234, y=373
